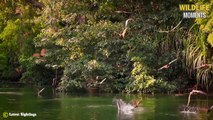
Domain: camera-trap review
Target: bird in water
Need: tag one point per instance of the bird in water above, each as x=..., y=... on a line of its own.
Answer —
x=188, y=109
x=136, y=103
x=126, y=108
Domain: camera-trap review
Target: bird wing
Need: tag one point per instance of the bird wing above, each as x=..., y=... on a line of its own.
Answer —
x=168, y=64
x=172, y=61
x=102, y=80
x=161, y=67
x=199, y=91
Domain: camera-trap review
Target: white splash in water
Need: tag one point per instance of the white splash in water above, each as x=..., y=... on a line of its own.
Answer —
x=188, y=109
x=188, y=112
x=123, y=107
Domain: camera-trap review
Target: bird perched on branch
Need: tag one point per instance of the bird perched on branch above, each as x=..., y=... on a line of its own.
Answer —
x=167, y=65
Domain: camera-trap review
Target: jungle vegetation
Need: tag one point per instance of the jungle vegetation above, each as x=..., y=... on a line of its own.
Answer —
x=115, y=45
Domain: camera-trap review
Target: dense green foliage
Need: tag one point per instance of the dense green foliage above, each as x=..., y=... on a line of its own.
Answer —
x=17, y=32
x=199, y=54
x=88, y=43
x=16, y=36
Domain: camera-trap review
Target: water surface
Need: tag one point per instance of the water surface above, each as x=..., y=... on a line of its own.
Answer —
x=60, y=106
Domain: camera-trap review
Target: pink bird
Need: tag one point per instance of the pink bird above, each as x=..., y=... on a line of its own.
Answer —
x=167, y=65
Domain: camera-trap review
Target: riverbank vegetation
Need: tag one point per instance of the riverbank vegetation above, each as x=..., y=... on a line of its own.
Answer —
x=112, y=45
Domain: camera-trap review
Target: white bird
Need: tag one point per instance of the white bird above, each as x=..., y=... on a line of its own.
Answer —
x=188, y=109
x=127, y=21
x=123, y=33
x=167, y=65
x=193, y=92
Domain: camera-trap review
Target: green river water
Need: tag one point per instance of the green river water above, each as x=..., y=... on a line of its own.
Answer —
x=59, y=106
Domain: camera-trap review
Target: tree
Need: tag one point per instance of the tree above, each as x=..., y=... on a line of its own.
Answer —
x=17, y=30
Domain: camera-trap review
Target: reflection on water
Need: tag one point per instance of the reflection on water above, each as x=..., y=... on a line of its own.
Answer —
x=124, y=116
x=55, y=106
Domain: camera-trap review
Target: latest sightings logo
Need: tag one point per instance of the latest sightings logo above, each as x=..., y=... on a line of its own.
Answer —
x=20, y=114
x=194, y=10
